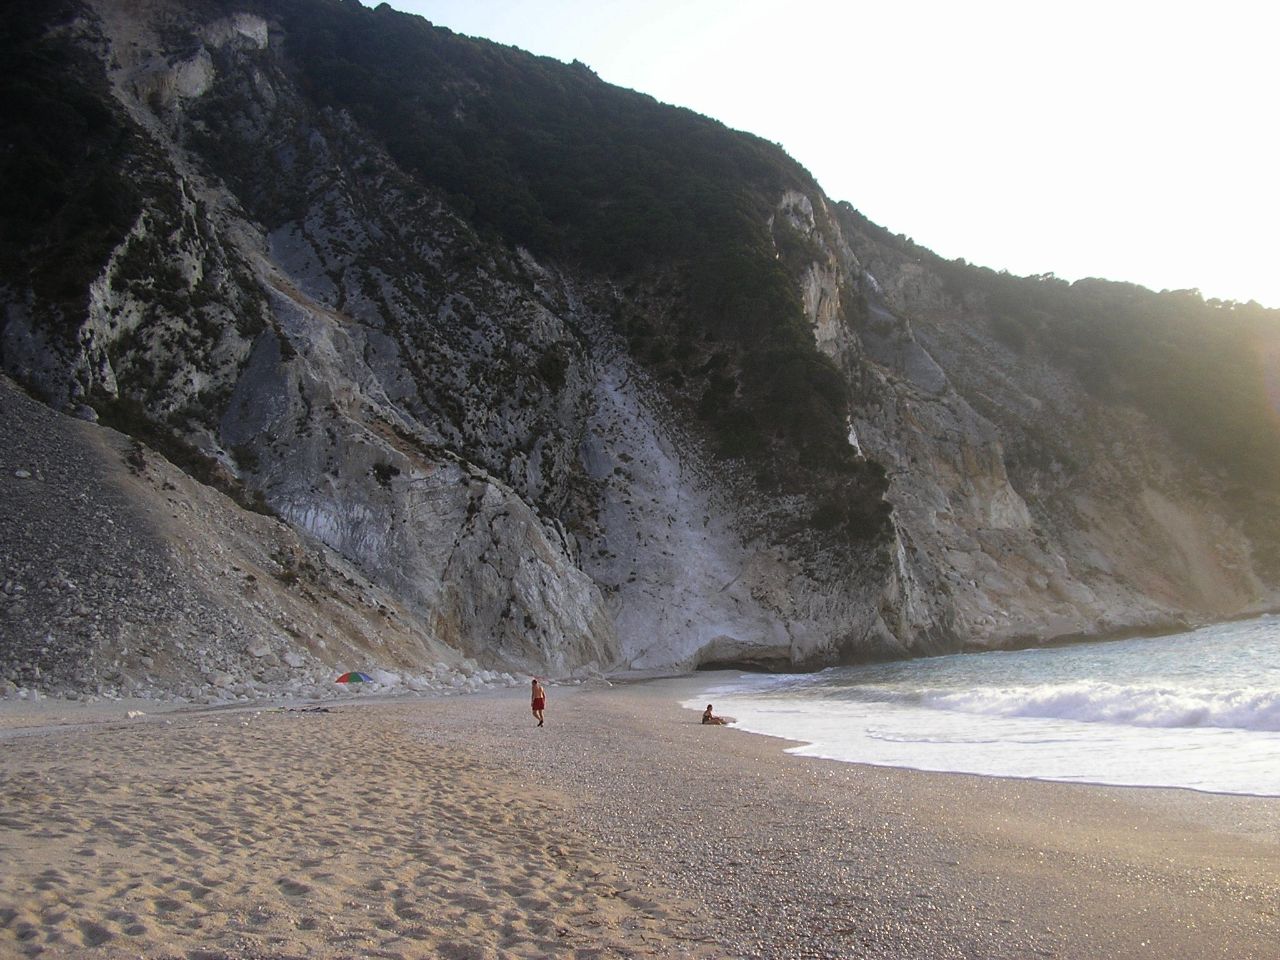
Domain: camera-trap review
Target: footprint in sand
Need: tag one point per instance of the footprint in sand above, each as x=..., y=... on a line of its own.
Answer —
x=123, y=918
x=406, y=912
x=452, y=950
x=470, y=902
x=194, y=890
x=292, y=888
x=49, y=879
x=94, y=934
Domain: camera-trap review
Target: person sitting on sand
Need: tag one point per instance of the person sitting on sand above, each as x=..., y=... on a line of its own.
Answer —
x=708, y=717
x=539, y=702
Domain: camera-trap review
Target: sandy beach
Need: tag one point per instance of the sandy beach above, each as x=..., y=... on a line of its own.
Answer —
x=452, y=827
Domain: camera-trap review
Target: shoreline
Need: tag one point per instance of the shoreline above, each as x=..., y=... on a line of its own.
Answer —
x=794, y=745
x=1151, y=794
x=422, y=827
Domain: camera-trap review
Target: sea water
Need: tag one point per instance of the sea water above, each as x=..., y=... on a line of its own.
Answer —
x=1199, y=710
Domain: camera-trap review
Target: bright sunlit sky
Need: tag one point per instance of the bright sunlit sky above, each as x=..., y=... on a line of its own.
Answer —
x=1128, y=140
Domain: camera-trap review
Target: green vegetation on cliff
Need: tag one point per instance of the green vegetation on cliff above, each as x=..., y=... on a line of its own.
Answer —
x=67, y=199
x=1206, y=371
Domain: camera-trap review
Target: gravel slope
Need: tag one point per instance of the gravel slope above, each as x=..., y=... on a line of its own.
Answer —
x=120, y=575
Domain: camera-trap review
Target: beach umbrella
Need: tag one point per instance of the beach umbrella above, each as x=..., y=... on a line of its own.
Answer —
x=355, y=676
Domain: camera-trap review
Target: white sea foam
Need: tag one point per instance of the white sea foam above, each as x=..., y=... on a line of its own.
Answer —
x=1102, y=702
x=1199, y=710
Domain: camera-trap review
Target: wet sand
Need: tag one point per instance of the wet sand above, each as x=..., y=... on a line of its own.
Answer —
x=452, y=827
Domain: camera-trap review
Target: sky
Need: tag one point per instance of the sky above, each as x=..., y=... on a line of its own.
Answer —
x=1127, y=140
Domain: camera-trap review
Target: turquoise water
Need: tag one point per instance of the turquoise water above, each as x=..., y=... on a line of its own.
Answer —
x=1199, y=710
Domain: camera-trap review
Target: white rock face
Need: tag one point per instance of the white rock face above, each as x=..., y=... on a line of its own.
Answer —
x=684, y=586
x=509, y=587
x=1032, y=554
x=241, y=29
x=193, y=78
x=679, y=580
x=460, y=548
x=162, y=83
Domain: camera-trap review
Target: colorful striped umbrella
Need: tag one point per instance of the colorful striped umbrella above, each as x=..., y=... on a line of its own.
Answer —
x=355, y=676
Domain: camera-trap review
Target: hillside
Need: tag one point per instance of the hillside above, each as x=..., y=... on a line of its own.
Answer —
x=570, y=379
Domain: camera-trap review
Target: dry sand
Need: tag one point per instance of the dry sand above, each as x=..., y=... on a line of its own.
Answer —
x=454, y=828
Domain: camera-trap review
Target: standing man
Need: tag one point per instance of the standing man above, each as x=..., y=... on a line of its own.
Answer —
x=539, y=700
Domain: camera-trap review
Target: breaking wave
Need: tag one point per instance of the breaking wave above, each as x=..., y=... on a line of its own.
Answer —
x=1199, y=711
x=1102, y=702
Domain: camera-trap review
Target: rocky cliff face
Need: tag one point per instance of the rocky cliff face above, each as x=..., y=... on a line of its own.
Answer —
x=1121, y=530
x=463, y=428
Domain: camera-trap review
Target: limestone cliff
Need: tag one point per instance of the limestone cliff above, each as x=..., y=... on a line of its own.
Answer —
x=1126, y=532
x=548, y=429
